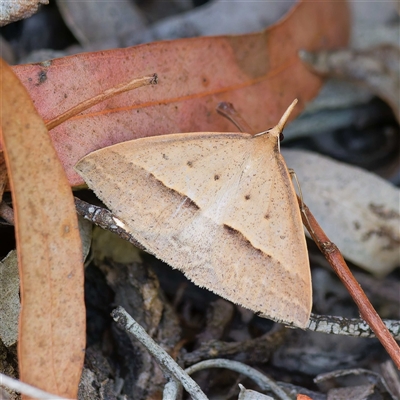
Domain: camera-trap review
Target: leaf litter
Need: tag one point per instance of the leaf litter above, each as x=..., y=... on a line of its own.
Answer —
x=191, y=305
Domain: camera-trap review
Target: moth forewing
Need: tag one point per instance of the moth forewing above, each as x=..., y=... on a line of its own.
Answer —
x=220, y=207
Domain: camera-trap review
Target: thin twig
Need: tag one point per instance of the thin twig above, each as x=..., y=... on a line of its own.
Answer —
x=84, y=105
x=166, y=362
x=349, y=326
x=104, y=219
x=24, y=388
x=336, y=260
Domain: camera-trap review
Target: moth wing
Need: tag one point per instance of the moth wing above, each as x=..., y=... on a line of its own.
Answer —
x=181, y=196
x=197, y=165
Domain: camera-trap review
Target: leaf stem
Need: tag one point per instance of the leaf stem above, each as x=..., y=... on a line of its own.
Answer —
x=84, y=105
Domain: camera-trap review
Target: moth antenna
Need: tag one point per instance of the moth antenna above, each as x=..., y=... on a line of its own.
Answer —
x=277, y=129
x=281, y=124
x=228, y=111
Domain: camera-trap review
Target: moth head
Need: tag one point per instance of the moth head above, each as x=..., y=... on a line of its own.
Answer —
x=277, y=131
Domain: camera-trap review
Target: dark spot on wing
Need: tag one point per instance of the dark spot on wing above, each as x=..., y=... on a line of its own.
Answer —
x=216, y=177
x=189, y=164
x=267, y=216
x=247, y=197
x=165, y=157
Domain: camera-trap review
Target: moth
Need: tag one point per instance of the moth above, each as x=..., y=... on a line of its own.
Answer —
x=220, y=207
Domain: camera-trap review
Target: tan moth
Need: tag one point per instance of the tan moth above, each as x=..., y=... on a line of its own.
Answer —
x=220, y=207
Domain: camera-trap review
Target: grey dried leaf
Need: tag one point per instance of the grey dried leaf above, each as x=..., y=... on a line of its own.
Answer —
x=312, y=353
x=11, y=11
x=246, y=394
x=358, y=210
x=391, y=376
x=355, y=383
x=156, y=10
x=9, y=299
x=217, y=18
x=334, y=108
x=103, y=24
x=361, y=392
x=377, y=68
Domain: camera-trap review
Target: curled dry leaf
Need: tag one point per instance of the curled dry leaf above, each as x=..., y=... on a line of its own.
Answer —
x=9, y=299
x=260, y=73
x=377, y=68
x=358, y=210
x=15, y=10
x=52, y=322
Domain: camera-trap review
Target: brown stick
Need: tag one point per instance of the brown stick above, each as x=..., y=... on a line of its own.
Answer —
x=334, y=257
x=84, y=105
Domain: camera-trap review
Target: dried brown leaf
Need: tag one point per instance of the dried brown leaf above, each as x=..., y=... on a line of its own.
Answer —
x=260, y=73
x=52, y=321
